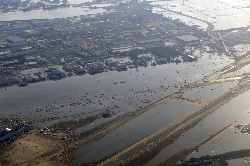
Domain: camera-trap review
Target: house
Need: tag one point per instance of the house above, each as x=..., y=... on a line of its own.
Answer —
x=41, y=61
x=8, y=136
x=32, y=63
x=54, y=60
x=28, y=79
x=26, y=128
x=150, y=41
x=30, y=58
x=62, y=61
x=132, y=66
x=56, y=74
x=3, y=132
x=12, y=62
x=95, y=68
x=16, y=126
x=79, y=70
x=14, y=39
x=122, y=67
x=107, y=114
x=98, y=52
x=22, y=83
x=18, y=54
x=32, y=78
x=91, y=72
x=42, y=76
x=161, y=61
x=111, y=63
x=5, y=80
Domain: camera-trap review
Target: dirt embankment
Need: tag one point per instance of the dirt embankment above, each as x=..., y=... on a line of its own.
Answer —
x=30, y=149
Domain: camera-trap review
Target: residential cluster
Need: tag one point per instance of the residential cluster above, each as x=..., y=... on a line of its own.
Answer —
x=90, y=44
x=10, y=130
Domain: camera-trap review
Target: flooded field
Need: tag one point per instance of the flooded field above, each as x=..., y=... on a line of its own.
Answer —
x=225, y=142
x=231, y=113
x=226, y=14
x=206, y=93
x=133, y=131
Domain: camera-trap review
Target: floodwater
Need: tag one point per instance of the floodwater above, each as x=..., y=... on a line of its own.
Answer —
x=207, y=93
x=241, y=49
x=187, y=20
x=225, y=142
x=90, y=95
x=49, y=14
x=233, y=112
x=225, y=14
x=70, y=1
x=129, y=103
x=109, y=84
x=134, y=130
x=239, y=72
x=239, y=162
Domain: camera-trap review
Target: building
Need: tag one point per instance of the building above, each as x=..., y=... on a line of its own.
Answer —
x=107, y=114
x=17, y=54
x=32, y=79
x=187, y=39
x=11, y=63
x=149, y=41
x=6, y=80
x=31, y=63
x=122, y=67
x=161, y=61
x=14, y=39
x=57, y=52
x=41, y=61
x=189, y=58
x=79, y=70
x=56, y=74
